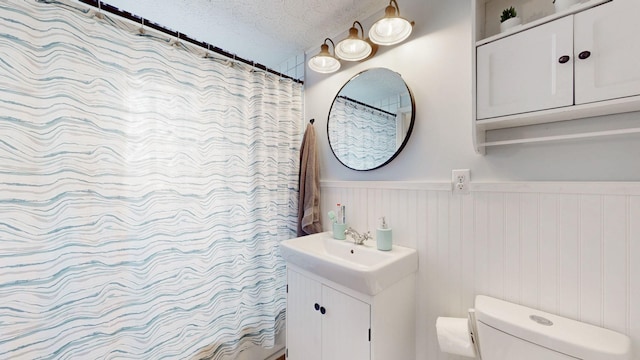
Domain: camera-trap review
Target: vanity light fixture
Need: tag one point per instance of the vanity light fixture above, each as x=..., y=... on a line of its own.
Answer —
x=354, y=47
x=391, y=29
x=324, y=62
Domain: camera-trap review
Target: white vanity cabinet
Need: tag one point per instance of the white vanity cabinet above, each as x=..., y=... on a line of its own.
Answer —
x=326, y=321
x=323, y=323
x=571, y=65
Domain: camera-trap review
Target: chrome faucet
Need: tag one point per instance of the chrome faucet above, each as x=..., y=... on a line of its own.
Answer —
x=358, y=239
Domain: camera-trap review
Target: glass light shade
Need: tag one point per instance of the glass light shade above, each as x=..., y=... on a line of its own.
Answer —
x=391, y=29
x=353, y=48
x=324, y=62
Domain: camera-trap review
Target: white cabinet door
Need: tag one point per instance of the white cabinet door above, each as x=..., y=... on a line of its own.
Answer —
x=523, y=72
x=304, y=340
x=611, y=34
x=345, y=327
x=325, y=324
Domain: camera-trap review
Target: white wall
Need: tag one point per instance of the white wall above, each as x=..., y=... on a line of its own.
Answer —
x=436, y=64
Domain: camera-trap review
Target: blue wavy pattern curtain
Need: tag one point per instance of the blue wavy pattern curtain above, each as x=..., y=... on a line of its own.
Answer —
x=361, y=137
x=143, y=192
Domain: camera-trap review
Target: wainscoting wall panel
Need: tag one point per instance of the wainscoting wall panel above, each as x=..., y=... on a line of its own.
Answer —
x=572, y=249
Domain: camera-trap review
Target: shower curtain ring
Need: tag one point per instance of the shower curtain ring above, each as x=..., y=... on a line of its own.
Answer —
x=208, y=52
x=175, y=42
x=99, y=13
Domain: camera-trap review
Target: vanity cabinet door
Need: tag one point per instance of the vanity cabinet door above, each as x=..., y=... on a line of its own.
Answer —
x=345, y=327
x=610, y=35
x=304, y=323
x=325, y=324
x=528, y=71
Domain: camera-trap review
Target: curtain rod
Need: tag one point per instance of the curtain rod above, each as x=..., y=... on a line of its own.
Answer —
x=138, y=19
x=366, y=105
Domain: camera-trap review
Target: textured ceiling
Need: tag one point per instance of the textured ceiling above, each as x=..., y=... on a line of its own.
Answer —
x=266, y=31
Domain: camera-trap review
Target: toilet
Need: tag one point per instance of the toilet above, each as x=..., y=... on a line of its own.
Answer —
x=500, y=330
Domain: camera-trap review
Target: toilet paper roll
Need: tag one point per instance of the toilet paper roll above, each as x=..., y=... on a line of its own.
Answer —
x=454, y=337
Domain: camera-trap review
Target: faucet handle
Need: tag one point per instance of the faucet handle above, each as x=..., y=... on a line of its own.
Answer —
x=367, y=236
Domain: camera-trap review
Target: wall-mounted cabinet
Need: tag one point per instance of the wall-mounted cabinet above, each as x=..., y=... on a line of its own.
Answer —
x=579, y=63
x=326, y=321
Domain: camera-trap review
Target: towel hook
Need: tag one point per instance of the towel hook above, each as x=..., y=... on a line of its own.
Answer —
x=312, y=121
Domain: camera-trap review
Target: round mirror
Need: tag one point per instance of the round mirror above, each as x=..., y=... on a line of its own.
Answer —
x=371, y=119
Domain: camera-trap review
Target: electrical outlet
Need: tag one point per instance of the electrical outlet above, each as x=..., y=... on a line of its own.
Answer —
x=460, y=181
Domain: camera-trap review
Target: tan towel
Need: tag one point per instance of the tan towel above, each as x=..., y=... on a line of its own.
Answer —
x=309, y=185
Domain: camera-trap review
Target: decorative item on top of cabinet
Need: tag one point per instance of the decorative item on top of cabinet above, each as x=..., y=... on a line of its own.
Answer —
x=562, y=5
x=584, y=65
x=509, y=19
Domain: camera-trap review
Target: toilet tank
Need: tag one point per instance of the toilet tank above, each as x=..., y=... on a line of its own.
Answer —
x=508, y=331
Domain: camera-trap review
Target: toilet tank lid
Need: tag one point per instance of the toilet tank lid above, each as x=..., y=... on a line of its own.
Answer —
x=566, y=336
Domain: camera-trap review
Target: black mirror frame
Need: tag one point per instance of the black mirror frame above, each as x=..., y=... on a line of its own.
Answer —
x=409, y=130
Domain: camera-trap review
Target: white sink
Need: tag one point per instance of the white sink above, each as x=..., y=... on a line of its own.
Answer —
x=362, y=268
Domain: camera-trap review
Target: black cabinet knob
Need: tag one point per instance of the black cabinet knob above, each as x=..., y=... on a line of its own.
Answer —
x=564, y=59
x=584, y=55
x=316, y=306
x=323, y=310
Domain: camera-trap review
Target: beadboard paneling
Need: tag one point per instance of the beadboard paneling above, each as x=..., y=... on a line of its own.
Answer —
x=572, y=249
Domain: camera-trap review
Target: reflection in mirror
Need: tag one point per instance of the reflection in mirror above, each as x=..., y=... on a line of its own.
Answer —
x=371, y=119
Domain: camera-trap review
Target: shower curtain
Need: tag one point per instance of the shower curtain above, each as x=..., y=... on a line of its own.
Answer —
x=361, y=136
x=144, y=190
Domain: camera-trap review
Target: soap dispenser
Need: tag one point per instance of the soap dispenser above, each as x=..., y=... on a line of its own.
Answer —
x=383, y=236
